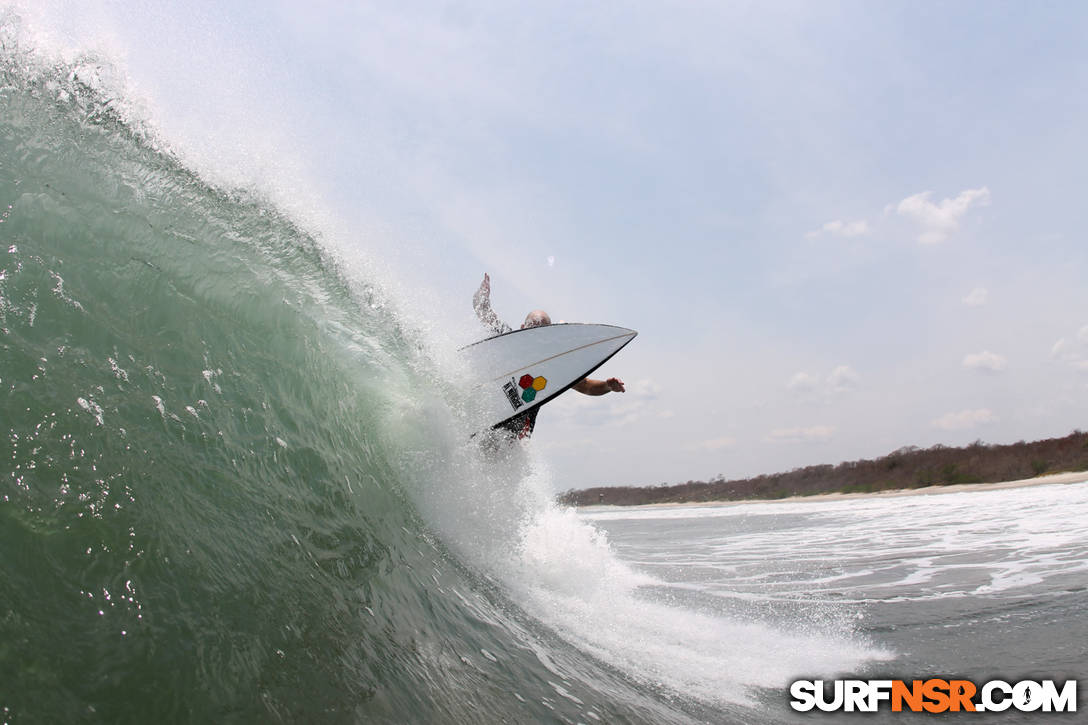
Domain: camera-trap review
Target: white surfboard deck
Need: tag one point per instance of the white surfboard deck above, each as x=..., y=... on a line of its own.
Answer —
x=518, y=371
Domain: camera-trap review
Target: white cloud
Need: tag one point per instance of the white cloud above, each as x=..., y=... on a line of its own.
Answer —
x=977, y=297
x=939, y=220
x=985, y=361
x=839, y=228
x=816, y=433
x=1073, y=350
x=843, y=378
x=803, y=382
x=839, y=380
x=965, y=419
x=713, y=444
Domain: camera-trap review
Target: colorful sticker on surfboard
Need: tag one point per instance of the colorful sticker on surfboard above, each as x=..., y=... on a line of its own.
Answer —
x=530, y=385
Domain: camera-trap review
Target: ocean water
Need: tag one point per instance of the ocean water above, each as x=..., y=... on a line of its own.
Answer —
x=231, y=494
x=976, y=585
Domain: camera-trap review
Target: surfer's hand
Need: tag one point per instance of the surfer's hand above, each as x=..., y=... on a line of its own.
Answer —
x=615, y=385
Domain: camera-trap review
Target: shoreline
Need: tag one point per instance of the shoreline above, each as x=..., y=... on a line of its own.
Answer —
x=1053, y=478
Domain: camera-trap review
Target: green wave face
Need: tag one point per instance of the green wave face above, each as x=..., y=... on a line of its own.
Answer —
x=205, y=510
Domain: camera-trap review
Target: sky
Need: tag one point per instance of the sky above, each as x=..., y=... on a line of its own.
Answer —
x=840, y=228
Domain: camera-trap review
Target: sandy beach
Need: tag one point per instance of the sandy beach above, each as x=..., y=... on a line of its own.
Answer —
x=1073, y=477
x=1055, y=478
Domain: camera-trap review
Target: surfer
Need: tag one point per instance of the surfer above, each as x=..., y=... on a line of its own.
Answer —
x=523, y=425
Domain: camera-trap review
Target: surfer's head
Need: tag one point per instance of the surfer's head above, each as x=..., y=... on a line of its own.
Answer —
x=536, y=318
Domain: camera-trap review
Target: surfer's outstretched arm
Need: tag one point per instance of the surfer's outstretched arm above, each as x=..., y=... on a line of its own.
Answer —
x=599, y=387
x=481, y=302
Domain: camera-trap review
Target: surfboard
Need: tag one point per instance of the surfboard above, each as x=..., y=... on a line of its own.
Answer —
x=518, y=371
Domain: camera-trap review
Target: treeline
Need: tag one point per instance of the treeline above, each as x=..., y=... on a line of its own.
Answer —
x=908, y=467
